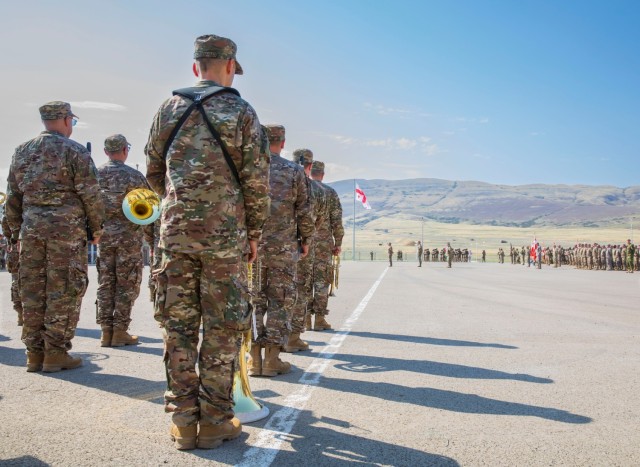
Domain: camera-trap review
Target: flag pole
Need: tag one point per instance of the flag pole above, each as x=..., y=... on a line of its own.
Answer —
x=354, y=219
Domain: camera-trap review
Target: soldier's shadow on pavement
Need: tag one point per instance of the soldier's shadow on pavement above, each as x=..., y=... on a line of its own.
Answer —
x=449, y=400
x=375, y=364
x=325, y=441
x=428, y=340
x=13, y=357
x=122, y=385
x=24, y=461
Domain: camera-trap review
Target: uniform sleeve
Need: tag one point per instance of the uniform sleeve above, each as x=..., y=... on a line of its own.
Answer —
x=156, y=166
x=303, y=209
x=254, y=175
x=86, y=184
x=335, y=218
x=13, y=206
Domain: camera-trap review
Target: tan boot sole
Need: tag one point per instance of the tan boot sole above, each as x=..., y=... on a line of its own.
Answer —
x=212, y=443
x=122, y=344
x=183, y=444
x=34, y=367
x=56, y=368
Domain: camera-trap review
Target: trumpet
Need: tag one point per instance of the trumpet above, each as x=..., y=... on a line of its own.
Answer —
x=141, y=206
x=3, y=198
x=335, y=275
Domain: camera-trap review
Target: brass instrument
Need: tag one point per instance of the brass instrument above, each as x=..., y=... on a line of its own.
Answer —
x=3, y=197
x=246, y=408
x=335, y=275
x=141, y=206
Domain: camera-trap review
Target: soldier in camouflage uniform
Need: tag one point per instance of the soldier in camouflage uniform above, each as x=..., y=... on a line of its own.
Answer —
x=13, y=264
x=119, y=261
x=154, y=263
x=328, y=243
x=631, y=253
x=301, y=315
x=290, y=221
x=216, y=199
x=53, y=195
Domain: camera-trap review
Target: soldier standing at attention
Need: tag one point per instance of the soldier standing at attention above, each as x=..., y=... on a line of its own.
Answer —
x=328, y=243
x=119, y=261
x=53, y=195
x=419, y=247
x=212, y=169
x=390, y=252
x=13, y=264
x=278, y=254
x=631, y=253
x=449, y=255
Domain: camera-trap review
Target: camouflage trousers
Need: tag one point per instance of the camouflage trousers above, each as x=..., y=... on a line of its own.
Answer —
x=13, y=266
x=195, y=290
x=156, y=261
x=119, y=277
x=53, y=280
x=304, y=287
x=274, y=298
x=321, y=282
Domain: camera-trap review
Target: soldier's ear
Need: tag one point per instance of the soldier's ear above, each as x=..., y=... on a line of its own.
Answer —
x=195, y=70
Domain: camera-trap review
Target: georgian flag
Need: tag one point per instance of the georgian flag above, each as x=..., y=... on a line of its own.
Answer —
x=360, y=196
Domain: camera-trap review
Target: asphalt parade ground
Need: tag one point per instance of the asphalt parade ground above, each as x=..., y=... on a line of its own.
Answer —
x=478, y=365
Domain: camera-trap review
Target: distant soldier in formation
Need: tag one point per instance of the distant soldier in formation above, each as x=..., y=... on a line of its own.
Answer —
x=631, y=255
x=419, y=253
x=484, y=256
x=390, y=252
x=449, y=255
x=119, y=261
x=53, y=194
x=328, y=244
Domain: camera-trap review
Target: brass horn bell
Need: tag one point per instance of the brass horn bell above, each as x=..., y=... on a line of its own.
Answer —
x=141, y=206
x=3, y=198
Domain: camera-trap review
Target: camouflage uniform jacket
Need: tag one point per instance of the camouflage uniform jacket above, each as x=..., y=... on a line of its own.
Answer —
x=318, y=197
x=332, y=230
x=203, y=208
x=290, y=207
x=53, y=189
x=116, y=180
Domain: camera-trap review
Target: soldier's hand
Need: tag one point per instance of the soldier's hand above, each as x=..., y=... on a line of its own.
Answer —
x=305, y=251
x=336, y=251
x=96, y=240
x=253, y=254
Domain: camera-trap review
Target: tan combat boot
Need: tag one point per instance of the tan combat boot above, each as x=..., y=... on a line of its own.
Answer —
x=60, y=361
x=321, y=323
x=184, y=437
x=295, y=344
x=255, y=362
x=106, y=336
x=272, y=365
x=34, y=361
x=122, y=337
x=212, y=436
x=307, y=322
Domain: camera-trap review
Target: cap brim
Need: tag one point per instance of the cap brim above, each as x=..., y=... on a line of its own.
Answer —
x=73, y=115
x=239, y=70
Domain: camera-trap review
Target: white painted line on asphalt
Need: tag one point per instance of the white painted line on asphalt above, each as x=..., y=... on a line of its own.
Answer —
x=277, y=429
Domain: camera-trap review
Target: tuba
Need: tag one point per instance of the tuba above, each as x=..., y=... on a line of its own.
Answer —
x=335, y=274
x=246, y=408
x=141, y=206
x=3, y=198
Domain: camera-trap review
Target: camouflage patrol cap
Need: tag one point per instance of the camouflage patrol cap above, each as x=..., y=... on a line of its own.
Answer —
x=317, y=167
x=55, y=110
x=275, y=132
x=303, y=156
x=212, y=46
x=115, y=143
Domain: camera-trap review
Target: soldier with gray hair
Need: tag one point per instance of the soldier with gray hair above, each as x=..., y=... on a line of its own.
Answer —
x=53, y=195
x=208, y=159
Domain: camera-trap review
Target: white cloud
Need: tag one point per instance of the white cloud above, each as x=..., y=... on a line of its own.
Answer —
x=98, y=106
x=382, y=110
x=422, y=144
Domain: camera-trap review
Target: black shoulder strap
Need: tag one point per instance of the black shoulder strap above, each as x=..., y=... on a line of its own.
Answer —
x=199, y=95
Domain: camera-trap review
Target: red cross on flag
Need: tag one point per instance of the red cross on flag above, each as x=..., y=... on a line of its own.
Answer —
x=360, y=196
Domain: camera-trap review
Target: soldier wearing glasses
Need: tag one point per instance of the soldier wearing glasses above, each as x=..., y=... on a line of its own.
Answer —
x=52, y=195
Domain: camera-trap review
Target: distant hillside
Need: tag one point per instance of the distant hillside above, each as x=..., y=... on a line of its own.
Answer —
x=486, y=204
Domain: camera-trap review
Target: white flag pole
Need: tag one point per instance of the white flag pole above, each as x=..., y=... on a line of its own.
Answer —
x=354, y=219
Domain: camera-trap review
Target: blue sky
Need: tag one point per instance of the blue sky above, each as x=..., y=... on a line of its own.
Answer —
x=509, y=92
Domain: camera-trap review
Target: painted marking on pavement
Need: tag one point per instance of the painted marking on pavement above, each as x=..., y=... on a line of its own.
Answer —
x=277, y=429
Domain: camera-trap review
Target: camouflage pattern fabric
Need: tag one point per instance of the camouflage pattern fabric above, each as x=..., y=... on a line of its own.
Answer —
x=155, y=261
x=278, y=251
x=328, y=236
x=195, y=289
x=53, y=193
x=304, y=272
x=206, y=221
x=203, y=207
x=13, y=265
x=119, y=261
